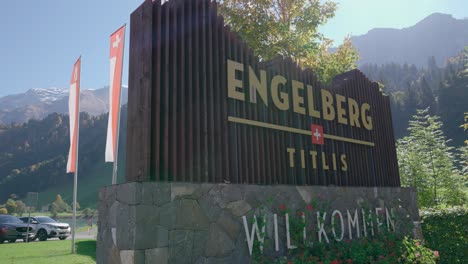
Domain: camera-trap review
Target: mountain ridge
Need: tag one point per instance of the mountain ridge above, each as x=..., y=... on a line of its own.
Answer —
x=37, y=103
x=414, y=44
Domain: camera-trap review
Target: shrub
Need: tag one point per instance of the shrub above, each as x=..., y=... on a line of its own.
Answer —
x=10, y=206
x=3, y=211
x=20, y=207
x=87, y=213
x=447, y=230
x=412, y=251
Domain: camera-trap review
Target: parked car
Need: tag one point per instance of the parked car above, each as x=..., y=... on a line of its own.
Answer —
x=12, y=228
x=46, y=227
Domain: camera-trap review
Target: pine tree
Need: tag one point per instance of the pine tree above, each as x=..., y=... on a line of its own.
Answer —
x=61, y=205
x=427, y=99
x=465, y=126
x=429, y=164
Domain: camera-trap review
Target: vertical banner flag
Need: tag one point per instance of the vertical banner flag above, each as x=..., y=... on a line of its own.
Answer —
x=74, y=111
x=116, y=58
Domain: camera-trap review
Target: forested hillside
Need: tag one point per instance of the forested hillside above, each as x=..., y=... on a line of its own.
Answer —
x=33, y=155
x=444, y=90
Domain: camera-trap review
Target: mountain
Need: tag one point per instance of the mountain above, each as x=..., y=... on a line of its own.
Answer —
x=33, y=158
x=32, y=96
x=443, y=89
x=37, y=103
x=438, y=35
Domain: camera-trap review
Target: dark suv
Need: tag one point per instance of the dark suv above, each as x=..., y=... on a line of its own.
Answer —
x=12, y=228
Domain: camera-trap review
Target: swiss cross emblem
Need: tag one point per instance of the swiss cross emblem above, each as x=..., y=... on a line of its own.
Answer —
x=115, y=44
x=317, y=134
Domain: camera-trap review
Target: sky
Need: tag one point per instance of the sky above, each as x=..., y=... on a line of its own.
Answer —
x=41, y=40
x=357, y=17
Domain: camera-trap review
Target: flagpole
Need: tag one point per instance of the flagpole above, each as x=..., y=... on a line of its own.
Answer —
x=75, y=178
x=116, y=156
x=75, y=190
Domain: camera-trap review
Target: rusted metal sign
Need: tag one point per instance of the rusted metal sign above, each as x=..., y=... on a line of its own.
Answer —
x=203, y=108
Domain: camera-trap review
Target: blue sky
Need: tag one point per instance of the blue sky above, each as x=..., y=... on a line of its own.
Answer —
x=40, y=40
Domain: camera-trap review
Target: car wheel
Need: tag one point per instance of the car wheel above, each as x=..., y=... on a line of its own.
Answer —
x=12, y=240
x=33, y=239
x=42, y=235
x=62, y=238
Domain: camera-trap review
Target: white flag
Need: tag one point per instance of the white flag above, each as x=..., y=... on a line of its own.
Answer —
x=73, y=110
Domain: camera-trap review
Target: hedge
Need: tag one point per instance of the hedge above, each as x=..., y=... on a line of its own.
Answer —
x=446, y=230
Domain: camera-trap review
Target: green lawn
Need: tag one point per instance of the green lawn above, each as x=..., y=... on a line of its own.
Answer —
x=48, y=252
x=59, y=215
x=88, y=186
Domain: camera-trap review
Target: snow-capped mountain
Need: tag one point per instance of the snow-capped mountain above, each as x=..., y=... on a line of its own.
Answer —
x=37, y=103
x=32, y=97
x=48, y=95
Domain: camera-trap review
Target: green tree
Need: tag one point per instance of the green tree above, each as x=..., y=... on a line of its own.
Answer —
x=465, y=125
x=60, y=205
x=88, y=212
x=327, y=65
x=464, y=152
x=289, y=28
x=10, y=206
x=20, y=207
x=3, y=210
x=464, y=162
x=77, y=205
x=429, y=164
x=53, y=210
x=426, y=97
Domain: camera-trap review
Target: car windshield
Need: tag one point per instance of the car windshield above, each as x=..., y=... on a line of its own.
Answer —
x=9, y=219
x=45, y=219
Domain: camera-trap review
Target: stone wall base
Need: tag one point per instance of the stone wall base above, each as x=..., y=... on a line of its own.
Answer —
x=154, y=222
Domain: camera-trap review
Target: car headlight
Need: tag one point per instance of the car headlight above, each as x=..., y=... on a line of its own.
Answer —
x=52, y=226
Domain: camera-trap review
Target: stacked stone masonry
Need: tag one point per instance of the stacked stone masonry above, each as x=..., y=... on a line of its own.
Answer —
x=154, y=222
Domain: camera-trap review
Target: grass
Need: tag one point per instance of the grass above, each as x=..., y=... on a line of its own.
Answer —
x=48, y=252
x=84, y=228
x=59, y=215
x=88, y=186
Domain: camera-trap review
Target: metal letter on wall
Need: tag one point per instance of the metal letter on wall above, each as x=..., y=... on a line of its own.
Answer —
x=203, y=108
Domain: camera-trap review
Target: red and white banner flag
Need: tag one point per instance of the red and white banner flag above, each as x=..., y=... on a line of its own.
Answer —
x=116, y=59
x=74, y=112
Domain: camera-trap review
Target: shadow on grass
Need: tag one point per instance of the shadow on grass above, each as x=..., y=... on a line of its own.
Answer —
x=86, y=248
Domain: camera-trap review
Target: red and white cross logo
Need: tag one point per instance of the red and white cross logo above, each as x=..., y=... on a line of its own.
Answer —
x=116, y=43
x=317, y=134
